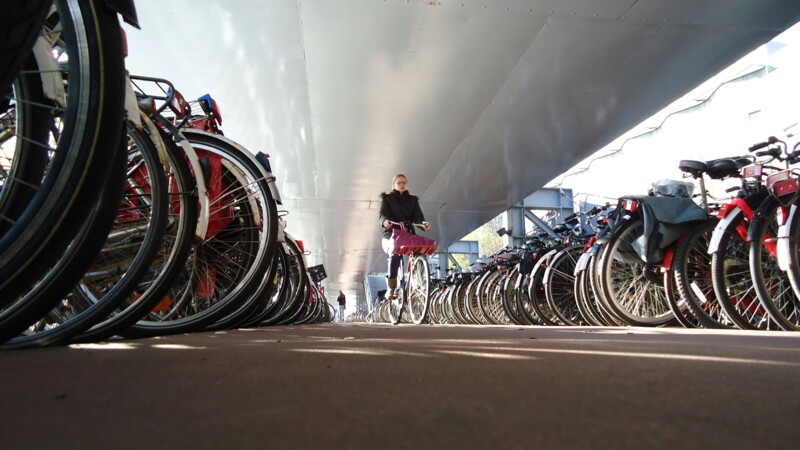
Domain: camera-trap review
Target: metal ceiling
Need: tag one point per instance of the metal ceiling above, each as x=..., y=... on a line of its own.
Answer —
x=479, y=103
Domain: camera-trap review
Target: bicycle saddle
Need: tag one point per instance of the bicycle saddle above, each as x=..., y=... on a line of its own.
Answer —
x=726, y=167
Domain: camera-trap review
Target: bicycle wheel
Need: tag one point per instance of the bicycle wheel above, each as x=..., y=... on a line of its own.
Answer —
x=87, y=126
x=419, y=288
x=58, y=279
x=730, y=275
x=692, y=274
x=275, y=297
x=225, y=268
x=510, y=291
x=536, y=291
x=126, y=255
x=633, y=290
x=294, y=269
x=789, y=240
x=585, y=303
x=170, y=258
x=771, y=283
x=559, y=284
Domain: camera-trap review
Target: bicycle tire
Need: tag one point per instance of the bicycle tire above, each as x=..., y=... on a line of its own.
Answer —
x=58, y=279
x=559, y=281
x=731, y=278
x=419, y=288
x=692, y=274
x=176, y=242
x=214, y=287
x=633, y=297
x=772, y=285
x=536, y=291
x=126, y=254
x=87, y=145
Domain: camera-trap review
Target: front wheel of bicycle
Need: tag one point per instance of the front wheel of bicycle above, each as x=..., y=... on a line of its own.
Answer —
x=419, y=289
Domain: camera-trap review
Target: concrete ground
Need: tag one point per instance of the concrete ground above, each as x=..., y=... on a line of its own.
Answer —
x=418, y=387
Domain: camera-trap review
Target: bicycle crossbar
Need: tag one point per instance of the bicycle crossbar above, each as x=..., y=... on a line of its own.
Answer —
x=422, y=249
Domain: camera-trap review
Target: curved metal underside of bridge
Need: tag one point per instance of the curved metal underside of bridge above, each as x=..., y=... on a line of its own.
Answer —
x=480, y=103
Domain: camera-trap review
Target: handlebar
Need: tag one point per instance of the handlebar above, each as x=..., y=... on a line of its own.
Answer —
x=418, y=225
x=771, y=140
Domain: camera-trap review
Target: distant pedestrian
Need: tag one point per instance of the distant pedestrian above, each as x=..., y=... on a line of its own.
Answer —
x=342, y=303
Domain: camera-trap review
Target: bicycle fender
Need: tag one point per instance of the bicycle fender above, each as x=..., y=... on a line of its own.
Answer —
x=719, y=230
x=582, y=263
x=758, y=215
x=126, y=9
x=784, y=241
x=52, y=81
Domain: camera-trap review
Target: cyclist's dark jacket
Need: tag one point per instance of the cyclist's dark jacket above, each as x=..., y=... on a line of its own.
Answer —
x=399, y=207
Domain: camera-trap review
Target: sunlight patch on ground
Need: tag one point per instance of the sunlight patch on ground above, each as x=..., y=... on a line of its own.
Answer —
x=104, y=346
x=355, y=351
x=672, y=356
x=485, y=355
x=177, y=347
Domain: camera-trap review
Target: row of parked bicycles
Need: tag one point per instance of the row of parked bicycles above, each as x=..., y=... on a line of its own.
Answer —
x=669, y=258
x=124, y=210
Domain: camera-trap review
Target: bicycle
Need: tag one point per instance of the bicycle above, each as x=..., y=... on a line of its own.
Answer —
x=415, y=284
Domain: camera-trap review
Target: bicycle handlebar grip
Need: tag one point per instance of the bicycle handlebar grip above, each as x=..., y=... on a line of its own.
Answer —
x=770, y=152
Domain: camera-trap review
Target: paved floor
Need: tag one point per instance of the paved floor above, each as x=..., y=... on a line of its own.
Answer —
x=417, y=387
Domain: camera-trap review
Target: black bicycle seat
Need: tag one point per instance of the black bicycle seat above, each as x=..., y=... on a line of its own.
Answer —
x=725, y=167
x=693, y=168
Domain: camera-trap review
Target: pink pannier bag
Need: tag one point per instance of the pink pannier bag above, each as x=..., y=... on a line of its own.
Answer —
x=404, y=243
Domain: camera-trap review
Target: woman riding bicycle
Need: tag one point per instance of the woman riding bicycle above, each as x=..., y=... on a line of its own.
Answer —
x=398, y=206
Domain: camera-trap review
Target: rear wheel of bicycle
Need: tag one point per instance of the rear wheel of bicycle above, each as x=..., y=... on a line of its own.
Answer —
x=691, y=269
x=510, y=292
x=793, y=236
x=87, y=127
x=173, y=249
x=536, y=291
x=585, y=306
x=275, y=297
x=772, y=284
x=294, y=272
x=419, y=289
x=54, y=285
x=126, y=255
x=730, y=276
x=559, y=280
x=632, y=289
x=225, y=268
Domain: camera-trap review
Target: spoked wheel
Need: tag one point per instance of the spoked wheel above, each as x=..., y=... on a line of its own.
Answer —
x=559, y=281
x=732, y=281
x=633, y=290
x=224, y=269
x=79, y=51
x=772, y=284
x=125, y=257
x=692, y=273
x=419, y=289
